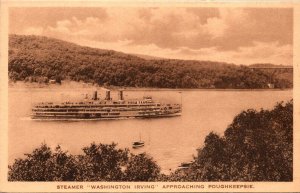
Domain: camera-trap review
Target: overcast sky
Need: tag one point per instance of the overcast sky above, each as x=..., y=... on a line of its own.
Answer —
x=234, y=35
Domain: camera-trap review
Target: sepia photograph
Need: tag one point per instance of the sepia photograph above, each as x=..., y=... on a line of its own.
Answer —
x=181, y=97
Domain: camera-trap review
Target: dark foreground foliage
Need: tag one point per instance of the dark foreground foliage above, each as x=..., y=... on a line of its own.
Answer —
x=257, y=146
x=98, y=163
x=38, y=59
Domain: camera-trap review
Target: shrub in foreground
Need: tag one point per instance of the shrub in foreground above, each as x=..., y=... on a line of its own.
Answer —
x=100, y=162
x=257, y=146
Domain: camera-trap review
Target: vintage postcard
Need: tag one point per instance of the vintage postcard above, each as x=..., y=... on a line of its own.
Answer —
x=111, y=96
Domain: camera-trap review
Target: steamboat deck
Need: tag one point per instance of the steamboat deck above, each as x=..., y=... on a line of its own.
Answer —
x=96, y=109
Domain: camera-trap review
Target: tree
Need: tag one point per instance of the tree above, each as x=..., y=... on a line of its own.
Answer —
x=141, y=168
x=58, y=79
x=101, y=162
x=44, y=165
x=256, y=146
x=260, y=144
x=211, y=163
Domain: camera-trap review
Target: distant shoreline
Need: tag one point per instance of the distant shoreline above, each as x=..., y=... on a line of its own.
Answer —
x=74, y=84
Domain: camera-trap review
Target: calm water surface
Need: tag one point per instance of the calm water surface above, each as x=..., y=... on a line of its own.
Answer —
x=170, y=141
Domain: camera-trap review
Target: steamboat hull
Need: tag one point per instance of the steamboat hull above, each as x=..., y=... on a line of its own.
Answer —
x=61, y=118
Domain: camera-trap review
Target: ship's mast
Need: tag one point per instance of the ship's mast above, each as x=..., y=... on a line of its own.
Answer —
x=180, y=100
x=180, y=97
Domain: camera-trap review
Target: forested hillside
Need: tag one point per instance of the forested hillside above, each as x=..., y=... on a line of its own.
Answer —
x=38, y=59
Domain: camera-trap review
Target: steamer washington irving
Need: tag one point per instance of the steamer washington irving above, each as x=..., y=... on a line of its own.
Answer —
x=96, y=109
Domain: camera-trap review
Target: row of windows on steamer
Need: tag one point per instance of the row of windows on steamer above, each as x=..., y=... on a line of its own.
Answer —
x=78, y=105
x=102, y=102
x=71, y=115
x=92, y=110
x=99, y=114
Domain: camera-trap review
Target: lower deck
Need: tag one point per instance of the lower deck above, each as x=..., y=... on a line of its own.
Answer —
x=90, y=116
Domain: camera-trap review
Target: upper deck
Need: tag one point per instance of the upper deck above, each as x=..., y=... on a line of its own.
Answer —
x=96, y=102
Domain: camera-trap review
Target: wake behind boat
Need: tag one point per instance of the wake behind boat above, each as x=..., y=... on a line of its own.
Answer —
x=103, y=109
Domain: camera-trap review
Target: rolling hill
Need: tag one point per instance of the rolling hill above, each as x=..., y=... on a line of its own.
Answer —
x=37, y=58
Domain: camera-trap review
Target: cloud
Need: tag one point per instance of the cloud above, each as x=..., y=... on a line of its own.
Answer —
x=271, y=52
x=61, y=27
x=241, y=35
x=33, y=31
x=165, y=27
x=261, y=52
x=216, y=27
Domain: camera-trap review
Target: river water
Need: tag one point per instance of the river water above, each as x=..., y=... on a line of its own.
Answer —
x=170, y=141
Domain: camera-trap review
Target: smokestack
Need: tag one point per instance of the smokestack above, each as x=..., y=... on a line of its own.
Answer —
x=121, y=95
x=107, y=95
x=95, y=96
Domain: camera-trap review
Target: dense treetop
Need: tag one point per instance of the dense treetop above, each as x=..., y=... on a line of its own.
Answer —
x=36, y=58
x=256, y=146
x=99, y=162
